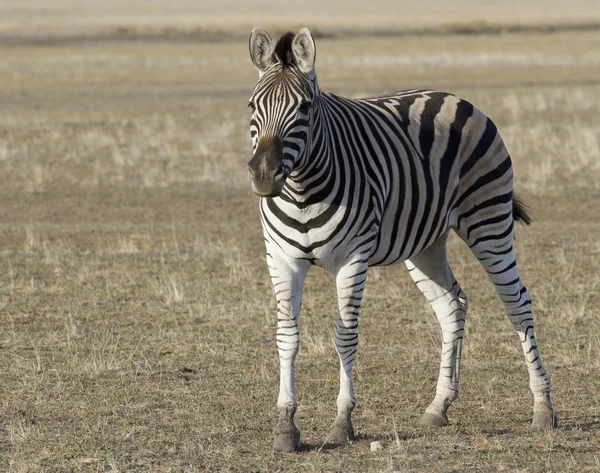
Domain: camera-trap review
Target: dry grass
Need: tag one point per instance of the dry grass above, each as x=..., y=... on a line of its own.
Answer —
x=59, y=20
x=136, y=314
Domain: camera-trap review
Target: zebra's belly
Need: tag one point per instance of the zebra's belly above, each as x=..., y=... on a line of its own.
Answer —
x=388, y=252
x=401, y=236
x=392, y=251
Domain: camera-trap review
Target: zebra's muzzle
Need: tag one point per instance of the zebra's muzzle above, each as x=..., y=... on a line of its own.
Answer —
x=266, y=169
x=269, y=187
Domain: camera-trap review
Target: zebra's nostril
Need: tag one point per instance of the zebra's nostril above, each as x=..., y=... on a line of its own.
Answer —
x=280, y=172
x=251, y=172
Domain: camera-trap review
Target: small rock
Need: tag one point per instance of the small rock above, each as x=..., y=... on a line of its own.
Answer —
x=376, y=446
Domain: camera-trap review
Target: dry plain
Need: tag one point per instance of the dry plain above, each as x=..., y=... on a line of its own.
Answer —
x=136, y=316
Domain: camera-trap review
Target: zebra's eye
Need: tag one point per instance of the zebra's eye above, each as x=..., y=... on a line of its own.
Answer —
x=304, y=108
x=252, y=106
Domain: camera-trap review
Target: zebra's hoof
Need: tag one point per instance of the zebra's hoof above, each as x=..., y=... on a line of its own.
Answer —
x=433, y=420
x=287, y=438
x=341, y=433
x=544, y=420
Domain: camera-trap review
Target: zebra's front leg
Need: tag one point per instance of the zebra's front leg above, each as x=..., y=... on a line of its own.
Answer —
x=350, y=280
x=288, y=281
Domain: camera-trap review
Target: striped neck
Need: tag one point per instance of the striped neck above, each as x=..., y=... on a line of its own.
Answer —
x=314, y=173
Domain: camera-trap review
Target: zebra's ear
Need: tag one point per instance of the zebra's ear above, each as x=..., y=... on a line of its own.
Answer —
x=261, y=49
x=304, y=50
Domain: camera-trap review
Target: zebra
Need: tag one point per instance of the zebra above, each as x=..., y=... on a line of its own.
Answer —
x=349, y=184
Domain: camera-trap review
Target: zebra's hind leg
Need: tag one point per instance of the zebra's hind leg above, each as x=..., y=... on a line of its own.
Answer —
x=498, y=259
x=489, y=232
x=431, y=272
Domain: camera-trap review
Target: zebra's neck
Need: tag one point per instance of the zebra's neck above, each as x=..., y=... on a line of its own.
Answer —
x=314, y=174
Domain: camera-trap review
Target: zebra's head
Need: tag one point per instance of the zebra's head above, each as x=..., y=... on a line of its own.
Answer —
x=282, y=105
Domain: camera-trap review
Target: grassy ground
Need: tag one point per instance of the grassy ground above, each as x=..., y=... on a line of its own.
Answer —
x=136, y=316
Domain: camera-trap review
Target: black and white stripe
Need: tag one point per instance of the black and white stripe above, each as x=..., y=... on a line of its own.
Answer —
x=379, y=181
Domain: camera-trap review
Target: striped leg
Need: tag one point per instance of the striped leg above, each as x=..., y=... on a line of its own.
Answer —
x=288, y=282
x=432, y=274
x=501, y=266
x=350, y=281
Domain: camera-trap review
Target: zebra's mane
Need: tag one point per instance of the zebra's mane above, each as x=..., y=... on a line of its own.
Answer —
x=283, y=49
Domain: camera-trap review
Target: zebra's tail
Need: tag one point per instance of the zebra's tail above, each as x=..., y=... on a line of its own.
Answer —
x=521, y=211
